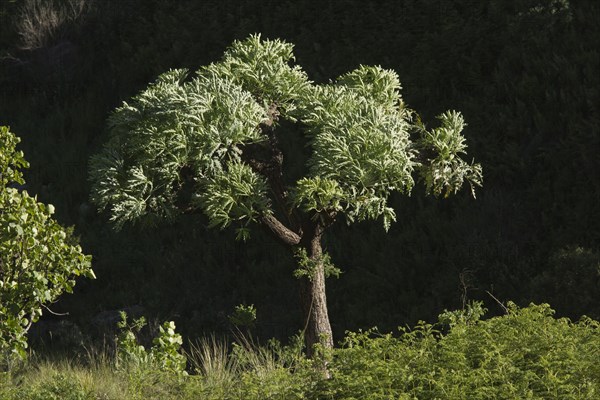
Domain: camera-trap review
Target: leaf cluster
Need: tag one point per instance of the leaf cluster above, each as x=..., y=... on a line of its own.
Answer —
x=262, y=68
x=39, y=259
x=359, y=134
x=442, y=170
x=177, y=136
x=184, y=143
x=307, y=266
x=165, y=354
x=243, y=316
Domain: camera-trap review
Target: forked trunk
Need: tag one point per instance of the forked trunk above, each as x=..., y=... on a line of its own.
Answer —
x=314, y=299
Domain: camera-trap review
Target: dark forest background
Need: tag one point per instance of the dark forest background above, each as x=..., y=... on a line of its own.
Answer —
x=525, y=74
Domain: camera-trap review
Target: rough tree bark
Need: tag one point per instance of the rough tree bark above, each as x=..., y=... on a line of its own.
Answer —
x=312, y=290
x=314, y=298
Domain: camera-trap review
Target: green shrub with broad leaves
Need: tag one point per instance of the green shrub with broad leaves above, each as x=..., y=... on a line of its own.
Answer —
x=164, y=355
x=39, y=259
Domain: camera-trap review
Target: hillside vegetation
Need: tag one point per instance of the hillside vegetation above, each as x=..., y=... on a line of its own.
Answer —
x=524, y=75
x=525, y=354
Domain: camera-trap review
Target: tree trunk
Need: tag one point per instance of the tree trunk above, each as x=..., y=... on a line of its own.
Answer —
x=314, y=299
x=312, y=288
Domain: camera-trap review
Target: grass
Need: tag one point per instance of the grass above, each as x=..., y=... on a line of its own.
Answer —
x=526, y=353
x=216, y=370
x=209, y=358
x=64, y=378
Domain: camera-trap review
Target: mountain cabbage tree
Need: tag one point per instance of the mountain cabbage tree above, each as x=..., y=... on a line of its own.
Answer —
x=210, y=141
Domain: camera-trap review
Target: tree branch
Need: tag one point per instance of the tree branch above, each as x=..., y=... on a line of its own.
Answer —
x=53, y=312
x=266, y=158
x=282, y=232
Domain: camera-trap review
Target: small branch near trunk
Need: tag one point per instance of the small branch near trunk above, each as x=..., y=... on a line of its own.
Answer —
x=282, y=232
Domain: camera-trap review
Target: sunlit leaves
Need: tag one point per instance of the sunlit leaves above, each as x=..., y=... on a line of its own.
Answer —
x=165, y=354
x=359, y=134
x=526, y=353
x=171, y=125
x=443, y=171
x=10, y=159
x=320, y=195
x=358, y=131
x=236, y=195
x=262, y=67
x=380, y=85
x=307, y=267
x=39, y=259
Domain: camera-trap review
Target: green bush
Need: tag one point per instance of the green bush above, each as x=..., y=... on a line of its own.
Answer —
x=39, y=259
x=163, y=356
x=59, y=387
x=524, y=354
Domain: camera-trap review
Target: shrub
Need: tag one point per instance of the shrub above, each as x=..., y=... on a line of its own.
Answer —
x=39, y=259
x=524, y=354
x=164, y=355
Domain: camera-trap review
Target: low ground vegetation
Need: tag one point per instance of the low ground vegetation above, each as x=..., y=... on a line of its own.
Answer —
x=526, y=353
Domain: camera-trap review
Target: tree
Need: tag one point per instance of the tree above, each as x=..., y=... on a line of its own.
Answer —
x=211, y=142
x=39, y=259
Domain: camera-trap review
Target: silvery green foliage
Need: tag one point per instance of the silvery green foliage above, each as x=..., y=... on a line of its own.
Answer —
x=359, y=133
x=262, y=68
x=172, y=125
x=179, y=144
x=444, y=171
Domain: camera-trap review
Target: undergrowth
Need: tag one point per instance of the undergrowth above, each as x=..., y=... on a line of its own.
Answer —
x=525, y=354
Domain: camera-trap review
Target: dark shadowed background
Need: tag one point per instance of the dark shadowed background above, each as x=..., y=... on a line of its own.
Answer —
x=525, y=74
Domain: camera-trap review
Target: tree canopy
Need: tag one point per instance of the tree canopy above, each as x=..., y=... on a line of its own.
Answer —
x=192, y=141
